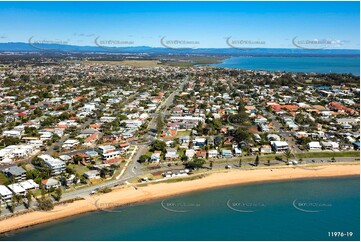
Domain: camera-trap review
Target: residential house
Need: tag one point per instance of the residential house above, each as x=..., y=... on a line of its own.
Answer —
x=202, y=154
x=92, y=174
x=226, y=153
x=155, y=157
x=279, y=146
x=50, y=183
x=57, y=166
x=16, y=173
x=190, y=153
x=237, y=152
x=5, y=195
x=171, y=154
x=314, y=146
x=212, y=153
x=70, y=144
x=17, y=189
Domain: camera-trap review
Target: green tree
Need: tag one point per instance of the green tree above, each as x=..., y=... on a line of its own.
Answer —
x=58, y=194
x=159, y=145
x=143, y=158
x=256, y=162
x=29, y=198
x=196, y=163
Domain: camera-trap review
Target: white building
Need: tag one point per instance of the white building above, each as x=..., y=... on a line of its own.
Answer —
x=279, y=146
x=12, y=133
x=57, y=166
x=315, y=145
x=17, y=189
x=212, y=153
x=5, y=194
x=70, y=143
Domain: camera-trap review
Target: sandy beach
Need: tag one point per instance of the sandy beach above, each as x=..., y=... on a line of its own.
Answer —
x=128, y=194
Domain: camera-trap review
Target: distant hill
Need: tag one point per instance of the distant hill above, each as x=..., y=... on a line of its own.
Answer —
x=26, y=47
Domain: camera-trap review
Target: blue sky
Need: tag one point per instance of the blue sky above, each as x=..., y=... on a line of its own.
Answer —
x=201, y=24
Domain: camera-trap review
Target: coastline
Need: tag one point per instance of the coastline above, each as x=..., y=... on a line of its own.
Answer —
x=126, y=195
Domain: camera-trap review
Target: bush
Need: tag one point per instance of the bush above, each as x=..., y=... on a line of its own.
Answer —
x=104, y=190
x=45, y=204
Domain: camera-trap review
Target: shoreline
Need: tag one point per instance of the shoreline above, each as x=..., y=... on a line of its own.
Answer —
x=127, y=195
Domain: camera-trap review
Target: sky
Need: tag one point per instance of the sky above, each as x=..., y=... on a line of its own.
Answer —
x=192, y=24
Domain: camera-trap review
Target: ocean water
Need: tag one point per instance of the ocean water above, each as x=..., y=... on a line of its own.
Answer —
x=295, y=64
x=287, y=210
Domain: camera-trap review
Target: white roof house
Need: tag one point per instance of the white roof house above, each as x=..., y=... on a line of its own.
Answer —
x=212, y=153
x=106, y=148
x=56, y=165
x=12, y=133
x=237, y=151
x=17, y=189
x=315, y=145
x=29, y=184
x=279, y=146
x=190, y=153
x=70, y=143
x=5, y=193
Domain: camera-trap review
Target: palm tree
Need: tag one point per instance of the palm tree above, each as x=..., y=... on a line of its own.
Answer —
x=288, y=154
x=29, y=197
x=211, y=164
x=256, y=162
x=240, y=163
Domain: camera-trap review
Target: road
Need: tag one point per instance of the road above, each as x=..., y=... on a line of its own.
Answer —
x=287, y=135
x=132, y=169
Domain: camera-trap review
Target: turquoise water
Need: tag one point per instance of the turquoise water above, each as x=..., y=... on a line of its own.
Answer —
x=295, y=64
x=290, y=210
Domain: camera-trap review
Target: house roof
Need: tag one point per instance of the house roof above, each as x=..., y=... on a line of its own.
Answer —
x=15, y=170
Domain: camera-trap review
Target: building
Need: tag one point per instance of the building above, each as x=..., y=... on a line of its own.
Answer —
x=155, y=156
x=50, y=183
x=111, y=155
x=279, y=146
x=330, y=145
x=93, y=174
x=265, y=149
x=29, y=185
x=227, y=153
x=314, y=146
x=12, y=133
x=57, y=166
x=5, y=194
x=17, y=189
x=16, y=173
x=70, y=143
x=212, y=153
x=106, y=148
x=171, y=154
x=237, y=152
x=190, y=153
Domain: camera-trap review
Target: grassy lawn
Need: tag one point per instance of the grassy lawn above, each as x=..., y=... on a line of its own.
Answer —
x=328, y=154
x=183, y=133
x=79, y=169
